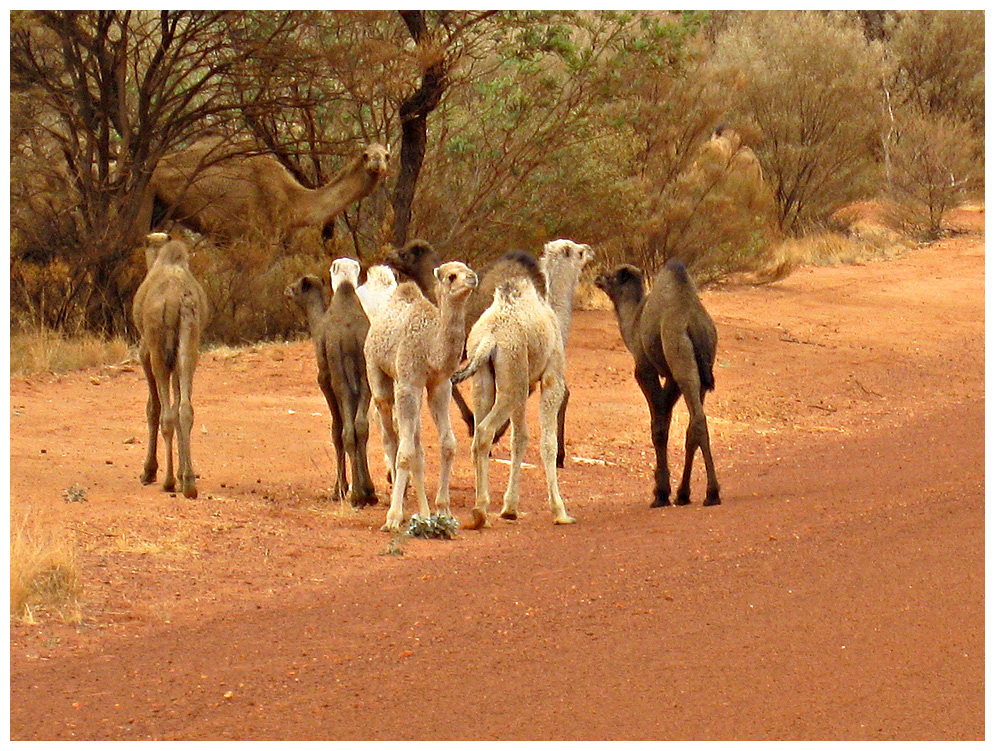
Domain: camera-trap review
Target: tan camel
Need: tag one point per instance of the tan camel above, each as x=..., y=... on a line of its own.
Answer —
x=414, y=346
x=338, y=330
x=514, y=346
x=215, y=191
x=170, y=311
x=671, y=337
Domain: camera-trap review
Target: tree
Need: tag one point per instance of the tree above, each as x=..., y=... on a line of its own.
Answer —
x=111, y=92
x=810, y=83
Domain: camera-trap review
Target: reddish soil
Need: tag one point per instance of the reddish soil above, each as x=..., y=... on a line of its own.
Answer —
x=837, y=592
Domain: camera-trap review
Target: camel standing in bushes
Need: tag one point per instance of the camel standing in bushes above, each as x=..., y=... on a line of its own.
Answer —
x=413, y=346
x=671, y=336
x=513, y=346
x=339, y=333
x=170, y=311
x=230, y=196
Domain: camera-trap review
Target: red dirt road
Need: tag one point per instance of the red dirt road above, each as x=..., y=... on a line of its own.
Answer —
x=837, y=592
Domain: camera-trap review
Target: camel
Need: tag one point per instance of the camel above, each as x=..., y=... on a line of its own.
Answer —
x=413, y=346
x=555, y=278
x=170, y=311
x=214, y=191
x=671, y=336
x=339, y=333
x=562, y=263
x=379, y=285
x=417, y=261
x=515, y=345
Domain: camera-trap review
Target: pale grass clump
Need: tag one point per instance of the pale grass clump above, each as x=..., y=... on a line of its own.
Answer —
x=44, y=574
x=46, y=351
x=834, y=249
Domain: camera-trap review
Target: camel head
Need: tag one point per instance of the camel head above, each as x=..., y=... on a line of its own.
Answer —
x=344, y=270
x=376, y=159
x=623, y=283
x=303, y=287
x=153, y=242
x=414, y=259
x=576, y=254
x=456, y=280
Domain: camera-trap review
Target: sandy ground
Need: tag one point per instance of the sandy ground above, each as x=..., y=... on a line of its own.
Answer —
x=837, y=592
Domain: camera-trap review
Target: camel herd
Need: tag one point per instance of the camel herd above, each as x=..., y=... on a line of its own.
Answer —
x=419, y=326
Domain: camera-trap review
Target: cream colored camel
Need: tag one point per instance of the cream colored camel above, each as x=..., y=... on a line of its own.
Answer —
x=414, y=346
x=562, y=263
x=373, y=293
x=513, y=346
x=215, y=191
x=555, y=277
x=170, y=311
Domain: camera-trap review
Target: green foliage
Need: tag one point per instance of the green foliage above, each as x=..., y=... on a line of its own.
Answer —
x=595, y=125
x=439, y=526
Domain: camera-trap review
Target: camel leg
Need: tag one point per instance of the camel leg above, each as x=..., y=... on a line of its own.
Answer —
x=167, y=421
x=186, y=363
x=480, y=447
x=519, y=442
x=697, y=437
x=362, y=482
x=550, y=401
x=382, y=392
x=439, y=398
x=464, y=410
x=410, y=460
x=152, y=411
x=341, y=482
x=561, y=418
x=661, y=400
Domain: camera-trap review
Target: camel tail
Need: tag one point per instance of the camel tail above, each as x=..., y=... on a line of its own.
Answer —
x=483, y=353
x=170, y=335
x=704, y=355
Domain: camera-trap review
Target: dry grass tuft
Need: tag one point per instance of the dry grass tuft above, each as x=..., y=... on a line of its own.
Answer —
x=45, y=351
x=866, y=242
x=44, y=576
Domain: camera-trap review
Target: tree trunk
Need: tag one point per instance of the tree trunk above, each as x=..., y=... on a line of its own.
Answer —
x=414, y=127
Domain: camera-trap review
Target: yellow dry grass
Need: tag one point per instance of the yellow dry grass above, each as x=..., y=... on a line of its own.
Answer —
x=44, y=351
x=44, y=575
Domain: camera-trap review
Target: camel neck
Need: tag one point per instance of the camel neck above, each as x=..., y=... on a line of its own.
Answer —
x=314, y=307
x=323, y=204
x=451, y=335
x=627, y=313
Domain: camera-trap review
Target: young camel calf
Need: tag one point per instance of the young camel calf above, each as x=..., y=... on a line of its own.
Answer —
x=170, y=311
x=671, y=337
x=513, y=346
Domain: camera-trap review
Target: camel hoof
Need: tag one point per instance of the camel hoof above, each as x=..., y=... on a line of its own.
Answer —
x=682, y=500
x=148, y=479
x=712, y=500
x=564, y=520
x=479, y=519
x=190, y=492
x=660, y=501
x=169, y=485
x=391, y=527
x=510, y=515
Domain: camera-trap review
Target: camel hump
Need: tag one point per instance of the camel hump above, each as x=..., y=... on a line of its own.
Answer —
x=679, y=270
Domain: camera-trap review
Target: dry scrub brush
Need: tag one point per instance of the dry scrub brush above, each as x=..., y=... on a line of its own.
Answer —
x=44, y=575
